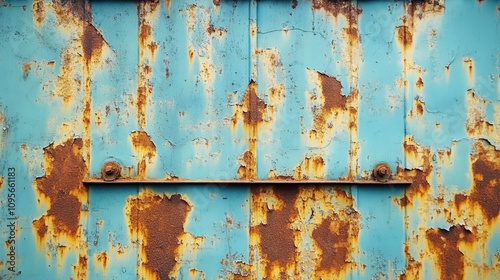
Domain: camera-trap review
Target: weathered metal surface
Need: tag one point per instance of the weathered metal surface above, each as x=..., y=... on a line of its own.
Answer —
x=209, y=109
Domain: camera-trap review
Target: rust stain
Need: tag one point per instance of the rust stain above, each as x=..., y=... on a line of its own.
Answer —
x=419, y=106
x=160, y=221
x=253, y=107
x=332, y=102
x=26, y=68
x=247, y=171
x=486, y=170
x=40, y=227
x=67, y=85
x=445, y=244
x=421, y=156
x=39, y=13
x=351, y=53
x=102, y=258
x=312, y=167
x=62, y=186
x=477, y=125
x=211, y=30
x=331, y=90
x=417, y=10
x=147, y=11
x=145, y=150
x=336, y=236
x=80, y=269
x=217, y=2
x=337, y=8
x=469, y=66
x=333, y=237
x=419, y=84
x=404, y=35
x=459, y=200
x=251, y=112
x=277, y=238
x=92, y=43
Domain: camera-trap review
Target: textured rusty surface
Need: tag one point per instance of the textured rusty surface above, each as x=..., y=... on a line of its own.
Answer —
x=160, y=221
x=445, y=246
x=249, y=93
x=62, y=187
x=277, y=238
x=486, y=170
x=145, y=150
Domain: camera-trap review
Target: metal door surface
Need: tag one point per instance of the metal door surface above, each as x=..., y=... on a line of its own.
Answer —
x=218, y=139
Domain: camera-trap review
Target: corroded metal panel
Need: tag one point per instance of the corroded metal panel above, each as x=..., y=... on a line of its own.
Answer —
x=215, y=115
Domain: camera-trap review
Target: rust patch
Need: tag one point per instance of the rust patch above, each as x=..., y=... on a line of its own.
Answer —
x=417, y=10
x=404, y=201
x=277, y=238
x=102, y=258
x=331, y=90
x=217, y=2
x=419, y=177
x=419, y=106
x=333, y=237
x=404, y=35
x=450, y=260
x=253, y=107
x=147, y=11
x=252, y=112
x=419, y=84
x=211, y=30
x=78, y=9
x=38, y=12
x=486, y=169
x=311, y=168
x=81, y=267
x=459, y=199
x=145, y=150
x=331, y=103
x=336, y=8
x=469, y=66
x=247, y=170
x=92, y=42
x=26, y=69
x=62, y=186
x=160, y=220
x=40, y=227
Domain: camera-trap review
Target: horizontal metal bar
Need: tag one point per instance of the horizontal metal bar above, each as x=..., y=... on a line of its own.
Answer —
x=94, y=181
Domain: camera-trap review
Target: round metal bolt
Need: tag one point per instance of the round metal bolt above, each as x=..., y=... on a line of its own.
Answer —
x=110, y=171
x=382, y=172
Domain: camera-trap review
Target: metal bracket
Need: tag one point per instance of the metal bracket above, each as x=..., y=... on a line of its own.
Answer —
x=111, y=176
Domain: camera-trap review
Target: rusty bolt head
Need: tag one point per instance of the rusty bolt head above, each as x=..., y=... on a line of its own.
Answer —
x=110, y=171
x=382, y=172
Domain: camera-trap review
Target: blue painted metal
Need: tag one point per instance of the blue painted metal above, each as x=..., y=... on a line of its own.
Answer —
x=251, y=90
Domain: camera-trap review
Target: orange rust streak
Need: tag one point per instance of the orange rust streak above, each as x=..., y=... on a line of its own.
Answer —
x=147, y=51
x=102, y=258
x=252, y=113
x=404, y=35
x=145, y=150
